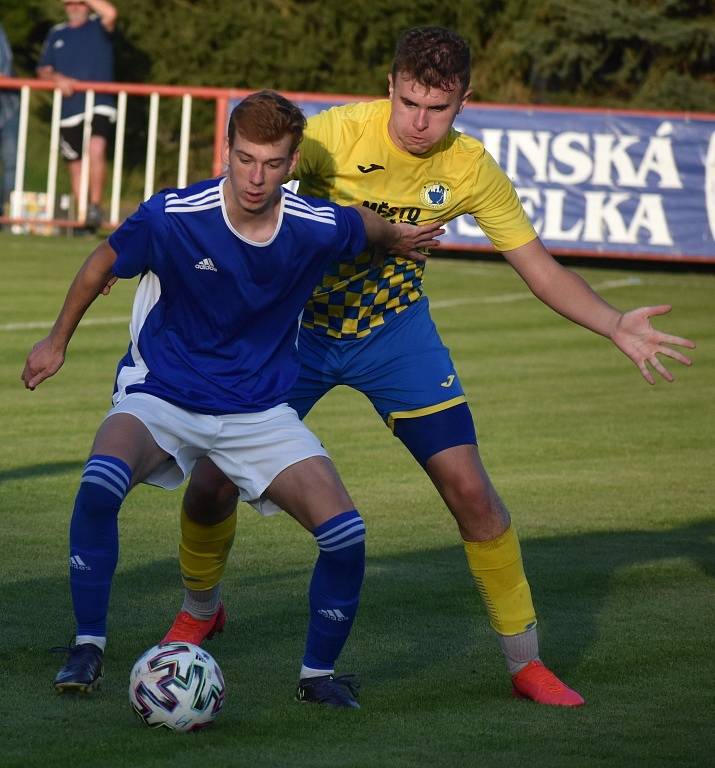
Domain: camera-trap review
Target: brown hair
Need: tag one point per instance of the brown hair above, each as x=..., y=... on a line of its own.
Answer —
x=433, y=56
x=266, y=117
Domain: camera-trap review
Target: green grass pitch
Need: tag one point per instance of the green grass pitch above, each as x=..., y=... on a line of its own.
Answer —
x=609, y=481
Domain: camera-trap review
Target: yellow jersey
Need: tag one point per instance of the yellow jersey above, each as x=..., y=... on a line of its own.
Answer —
x=347, y=156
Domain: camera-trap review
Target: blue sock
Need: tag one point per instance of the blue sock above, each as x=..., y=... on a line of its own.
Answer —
x=94, y=541
x=334, y=589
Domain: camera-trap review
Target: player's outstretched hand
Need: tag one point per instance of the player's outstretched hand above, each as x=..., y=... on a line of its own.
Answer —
x=636, y=338
x=44, y=361
x=415, y=241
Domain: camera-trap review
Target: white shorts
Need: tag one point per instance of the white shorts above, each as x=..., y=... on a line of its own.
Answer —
x=249, y=448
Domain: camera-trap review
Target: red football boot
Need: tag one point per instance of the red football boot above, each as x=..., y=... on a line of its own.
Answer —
x=187, y=629
x=541, y=685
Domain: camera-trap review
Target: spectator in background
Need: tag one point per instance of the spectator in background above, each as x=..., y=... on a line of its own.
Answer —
x=9, y=120
x=82, y=49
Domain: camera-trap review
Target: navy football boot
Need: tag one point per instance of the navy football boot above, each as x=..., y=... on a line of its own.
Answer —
x=332, y=691
x=83, y=671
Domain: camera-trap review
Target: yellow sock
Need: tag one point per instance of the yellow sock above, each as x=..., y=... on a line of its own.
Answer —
x=204, y=550
x=499, y=575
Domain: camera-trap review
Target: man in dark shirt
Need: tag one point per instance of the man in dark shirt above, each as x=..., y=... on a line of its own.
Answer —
x=81, y=49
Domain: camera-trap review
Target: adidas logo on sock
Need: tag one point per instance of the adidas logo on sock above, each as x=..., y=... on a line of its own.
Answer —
x=334, y=614
x=78, y=564
x=206, y=264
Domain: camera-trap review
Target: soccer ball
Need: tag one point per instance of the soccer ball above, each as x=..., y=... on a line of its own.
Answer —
x=177, y=686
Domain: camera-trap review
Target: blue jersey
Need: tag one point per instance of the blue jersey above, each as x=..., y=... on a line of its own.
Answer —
x=216, y=316
x=85, y=53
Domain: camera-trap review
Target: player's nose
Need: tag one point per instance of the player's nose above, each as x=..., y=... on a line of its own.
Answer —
x=421, y=121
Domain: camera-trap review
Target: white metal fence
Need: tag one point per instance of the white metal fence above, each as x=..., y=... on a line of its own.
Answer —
x=29, y=88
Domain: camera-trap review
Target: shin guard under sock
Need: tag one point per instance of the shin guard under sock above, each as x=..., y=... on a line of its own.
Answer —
x=204, y=550
x=498, y=571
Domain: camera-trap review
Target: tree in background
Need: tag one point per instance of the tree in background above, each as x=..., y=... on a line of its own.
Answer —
x=649, y=54
x=657, y=54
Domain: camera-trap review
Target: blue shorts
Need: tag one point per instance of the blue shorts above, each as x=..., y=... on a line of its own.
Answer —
x=402, y=367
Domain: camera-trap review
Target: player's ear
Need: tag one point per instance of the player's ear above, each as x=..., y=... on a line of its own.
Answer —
x=293, y=161
x=225, y=151
x=390, y=84
x=465, y=99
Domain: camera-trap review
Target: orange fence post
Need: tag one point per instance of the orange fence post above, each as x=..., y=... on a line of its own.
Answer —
x=219, y=133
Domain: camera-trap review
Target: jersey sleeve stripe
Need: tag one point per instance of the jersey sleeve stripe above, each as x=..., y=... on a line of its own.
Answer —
x=196, y=197
x=299, y=202
x=312, y=217
x=179, y=207
x=211, y=195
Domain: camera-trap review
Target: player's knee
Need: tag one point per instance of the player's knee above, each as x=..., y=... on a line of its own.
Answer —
x=470, y=491
x=469, y=495
x=210, y=496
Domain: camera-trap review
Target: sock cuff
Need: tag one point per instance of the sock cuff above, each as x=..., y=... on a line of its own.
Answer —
x=343, y=530
x=507, y=542
x=99, y=641
x=109, y=472
x=308, y=672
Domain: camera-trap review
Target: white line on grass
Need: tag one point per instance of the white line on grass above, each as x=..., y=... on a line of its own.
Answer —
x=50, y=323
x=504, y=298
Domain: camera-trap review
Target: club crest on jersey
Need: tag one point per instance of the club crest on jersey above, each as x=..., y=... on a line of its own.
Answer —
x=436, y=194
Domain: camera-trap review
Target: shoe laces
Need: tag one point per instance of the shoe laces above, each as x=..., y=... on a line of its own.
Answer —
x=543, y=676
x=351, y=682
x=71, y=645
x=185, y=617
x=71, y=648
x=327, y=687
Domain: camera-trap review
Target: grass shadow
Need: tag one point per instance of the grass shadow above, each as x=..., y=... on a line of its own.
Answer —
x=412, y=604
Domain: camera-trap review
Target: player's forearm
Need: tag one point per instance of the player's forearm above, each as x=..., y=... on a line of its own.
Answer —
x=380, y=233
x=572, y=297
x=87, y=285
x=106, y=12
x=563, y=290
